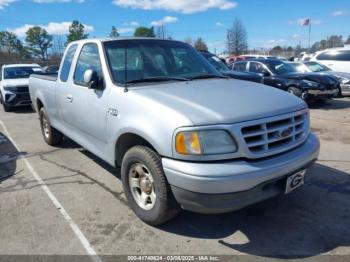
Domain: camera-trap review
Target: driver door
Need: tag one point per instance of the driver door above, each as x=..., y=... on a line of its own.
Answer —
x=86, y=109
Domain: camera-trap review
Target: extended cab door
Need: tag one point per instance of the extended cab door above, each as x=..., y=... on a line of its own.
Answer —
x=85, y=109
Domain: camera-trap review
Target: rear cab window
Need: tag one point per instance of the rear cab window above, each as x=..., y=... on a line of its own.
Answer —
x=67, y=63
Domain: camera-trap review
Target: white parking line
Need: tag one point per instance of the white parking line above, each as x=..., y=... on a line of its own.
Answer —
x=89, y=249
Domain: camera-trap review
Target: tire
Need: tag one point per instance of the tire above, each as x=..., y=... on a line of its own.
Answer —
x=51, y=136
x=142, y=164
x=295, y=91
x=339, y=92
x=5, y=107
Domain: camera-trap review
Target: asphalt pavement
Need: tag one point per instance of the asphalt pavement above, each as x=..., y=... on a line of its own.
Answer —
x=65, y=201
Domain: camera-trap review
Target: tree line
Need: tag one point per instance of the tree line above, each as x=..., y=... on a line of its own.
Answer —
x=39, y=44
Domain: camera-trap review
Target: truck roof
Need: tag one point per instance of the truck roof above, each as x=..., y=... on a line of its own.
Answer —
x=108, y=39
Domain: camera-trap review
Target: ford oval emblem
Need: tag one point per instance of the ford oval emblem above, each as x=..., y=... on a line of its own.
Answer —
x=285, y=133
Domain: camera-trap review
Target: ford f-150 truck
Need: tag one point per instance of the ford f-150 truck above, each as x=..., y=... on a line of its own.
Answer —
x=184, y=135
x=14, y=84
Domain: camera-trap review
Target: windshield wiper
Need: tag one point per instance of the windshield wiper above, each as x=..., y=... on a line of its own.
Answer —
x=207, y=76
x=156, y=79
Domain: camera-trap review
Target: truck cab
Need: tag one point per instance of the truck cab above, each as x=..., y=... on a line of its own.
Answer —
x=184, y=136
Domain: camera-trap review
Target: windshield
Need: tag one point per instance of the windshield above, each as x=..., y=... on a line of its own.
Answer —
x=280, y=68
x=20, y=72
x=300, y=67
x=155, y=59
x=316, y=67
x=217, y=63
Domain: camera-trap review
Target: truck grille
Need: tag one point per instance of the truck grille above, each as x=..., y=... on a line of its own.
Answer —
x=277, y=135
x=22, y=89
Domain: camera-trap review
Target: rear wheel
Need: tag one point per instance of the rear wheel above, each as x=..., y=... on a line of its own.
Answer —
x=145, y=186
x=50, y=134
x=295, y=91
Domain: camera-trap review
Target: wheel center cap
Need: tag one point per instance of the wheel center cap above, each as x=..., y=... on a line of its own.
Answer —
x=146, y=186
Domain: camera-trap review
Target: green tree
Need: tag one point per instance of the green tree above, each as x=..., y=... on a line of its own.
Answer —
x=200, y=45
x=76, y=32
x=347, y=42
x=335, y=41
x=114, y=33
x=10, y=44
x=39, y=41
x=277, y=50
x=144, y=32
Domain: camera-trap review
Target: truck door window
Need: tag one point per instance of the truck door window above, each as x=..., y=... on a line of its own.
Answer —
x=67, y=63
x=89, y=58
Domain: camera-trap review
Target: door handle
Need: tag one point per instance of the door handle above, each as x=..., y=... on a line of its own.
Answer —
x=69, y=98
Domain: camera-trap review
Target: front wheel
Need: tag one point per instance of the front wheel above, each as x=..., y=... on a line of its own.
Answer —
x=50, y=134
x=145, y=186
x=295, y=91
x=5, y=107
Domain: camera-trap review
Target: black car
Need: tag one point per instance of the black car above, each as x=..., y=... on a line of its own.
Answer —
x=282, y=75
x=225, y=70
x=51, y=69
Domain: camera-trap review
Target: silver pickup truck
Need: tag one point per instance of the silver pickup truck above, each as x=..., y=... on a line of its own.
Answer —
x=184, y=135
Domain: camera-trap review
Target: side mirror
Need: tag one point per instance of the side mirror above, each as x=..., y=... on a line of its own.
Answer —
x=91, y=79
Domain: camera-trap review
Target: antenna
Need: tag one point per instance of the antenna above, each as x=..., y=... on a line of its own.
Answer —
x=126, y=70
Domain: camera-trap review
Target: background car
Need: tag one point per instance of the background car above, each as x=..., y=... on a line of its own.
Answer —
x=51, y=69
x=337, y=59
x=312, y=66
x=14, y=84
x=225, y=70
x=282, y=75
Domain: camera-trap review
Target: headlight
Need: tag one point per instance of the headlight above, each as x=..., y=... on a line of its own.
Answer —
x=206, y=142
x=10, y=88
x=344, y=80
x=311, y=83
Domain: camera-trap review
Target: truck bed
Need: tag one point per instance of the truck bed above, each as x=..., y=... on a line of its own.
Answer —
x=49, y=77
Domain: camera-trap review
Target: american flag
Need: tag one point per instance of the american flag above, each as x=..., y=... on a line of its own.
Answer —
x=305, y=22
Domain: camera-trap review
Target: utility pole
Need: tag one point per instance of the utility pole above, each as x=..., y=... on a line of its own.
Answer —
x=309, y=35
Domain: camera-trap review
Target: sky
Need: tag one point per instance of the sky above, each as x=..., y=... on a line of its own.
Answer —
x=268, y=22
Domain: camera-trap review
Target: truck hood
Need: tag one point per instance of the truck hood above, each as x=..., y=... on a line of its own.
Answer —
x=16, y=82
x=221, y=101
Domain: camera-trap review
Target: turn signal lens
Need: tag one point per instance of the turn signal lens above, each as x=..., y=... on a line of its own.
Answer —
x=188, y=143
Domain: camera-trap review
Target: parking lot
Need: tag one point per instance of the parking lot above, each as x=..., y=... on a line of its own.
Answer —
x=64, y=200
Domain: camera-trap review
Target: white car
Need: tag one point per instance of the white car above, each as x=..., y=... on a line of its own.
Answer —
x=14, y=84
x=337, y=59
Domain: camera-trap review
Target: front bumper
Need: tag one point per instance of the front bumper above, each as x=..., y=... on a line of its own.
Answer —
x=322, y=93
x=229, y=185
x=345, y=89
x=15, y=99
